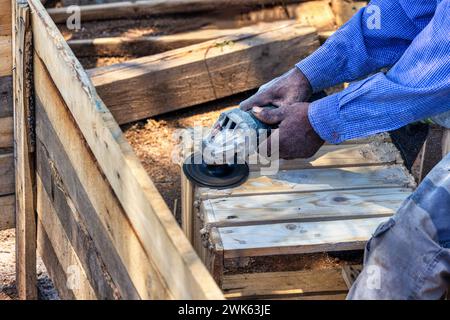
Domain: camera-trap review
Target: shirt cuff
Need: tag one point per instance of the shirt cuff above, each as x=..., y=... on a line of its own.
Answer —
x=319, y=68
x=324, y=117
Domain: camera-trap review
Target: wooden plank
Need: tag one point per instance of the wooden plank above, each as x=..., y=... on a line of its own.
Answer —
x=6, y=56
x=7, y=215
x=6, y=132
x=303, y=207
x=154, y=7
x=350, y=274
x=283, y=285
x=345, y=155
x=26, y=280
x=5, y=18
x=64, y=225
x=187, y=207
x=178, y=265
x=6, y=102
x=61, y=261
x=118, y=46
x=312, y=180
x=298, y=237
x=6, y=172
x=99, y=209
x=152, y=85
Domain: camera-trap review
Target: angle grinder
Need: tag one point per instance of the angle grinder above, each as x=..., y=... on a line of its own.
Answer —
x=233, y=138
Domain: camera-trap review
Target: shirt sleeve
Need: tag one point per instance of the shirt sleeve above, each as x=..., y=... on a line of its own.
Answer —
x=375, y=37
x=416, y=87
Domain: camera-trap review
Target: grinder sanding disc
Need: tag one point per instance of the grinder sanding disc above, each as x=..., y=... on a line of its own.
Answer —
x=215, y=176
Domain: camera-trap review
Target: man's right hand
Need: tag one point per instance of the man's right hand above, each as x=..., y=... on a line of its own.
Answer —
x=291, y=87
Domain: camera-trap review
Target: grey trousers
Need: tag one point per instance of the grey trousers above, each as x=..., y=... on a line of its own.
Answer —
x=408, y=257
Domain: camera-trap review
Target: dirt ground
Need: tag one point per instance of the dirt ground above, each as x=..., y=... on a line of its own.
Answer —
x=8, y=290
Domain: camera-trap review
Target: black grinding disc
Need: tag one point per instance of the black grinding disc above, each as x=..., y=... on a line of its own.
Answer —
x=215, y=176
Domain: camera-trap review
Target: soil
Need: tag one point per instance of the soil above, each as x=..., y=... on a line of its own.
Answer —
x=46, y=290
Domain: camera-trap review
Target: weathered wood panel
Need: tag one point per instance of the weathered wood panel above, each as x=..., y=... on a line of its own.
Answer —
x=105, y=220
x=7, y=216
x=303, y=207
x=313, y=180
x=6, y=172
x=345, y=155
x=63, y=225
x=285, y=285
x=24, y=156
x=6, y=56
x=156, y=84
x=155, y=7
x=61, y=261
x=6, y=132
x=297, y=237
x=165, y=245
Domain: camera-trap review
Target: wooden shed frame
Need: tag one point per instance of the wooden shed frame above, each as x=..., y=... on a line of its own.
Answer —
x=101, y=226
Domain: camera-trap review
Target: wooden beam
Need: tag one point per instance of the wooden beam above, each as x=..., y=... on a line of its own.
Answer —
x=290, y=284
x=24, y=159
x=152, y=85
x=6, y=172
x=144, y=46
x=5, y=55
x=297, y=237
x=183, y=272
x=7, y=215
x=6, y=132
x=303, y=207
x=128, y=9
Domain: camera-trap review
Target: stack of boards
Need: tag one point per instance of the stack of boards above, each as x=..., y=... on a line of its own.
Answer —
x=328, y=204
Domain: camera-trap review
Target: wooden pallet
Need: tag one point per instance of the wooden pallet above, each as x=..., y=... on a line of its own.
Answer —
x=329, y=204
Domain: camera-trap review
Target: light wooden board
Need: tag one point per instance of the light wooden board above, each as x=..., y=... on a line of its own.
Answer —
x=156, y=84
x=344, y=155
x=177, y=263
x=5, y=18
x=153, y=7
x=298, y=237
x=105, y=220
x=6, y=132
x=5, y=55
x=6, y=172
x=7, y=216
x=26, y=280
x=302, y=207
x=312, y=180
x=284, y=285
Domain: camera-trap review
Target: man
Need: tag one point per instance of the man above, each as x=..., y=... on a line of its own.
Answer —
x=411, y=252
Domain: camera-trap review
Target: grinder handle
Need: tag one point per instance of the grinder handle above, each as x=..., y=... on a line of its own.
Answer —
x=271, y=126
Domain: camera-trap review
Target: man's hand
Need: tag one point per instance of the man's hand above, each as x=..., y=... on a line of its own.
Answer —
x=297, y=138
x=285, y=90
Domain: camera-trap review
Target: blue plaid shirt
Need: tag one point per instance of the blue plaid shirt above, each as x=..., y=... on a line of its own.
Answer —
x=413, y=39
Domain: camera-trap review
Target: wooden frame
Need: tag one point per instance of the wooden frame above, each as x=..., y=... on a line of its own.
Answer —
x=103, y=230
